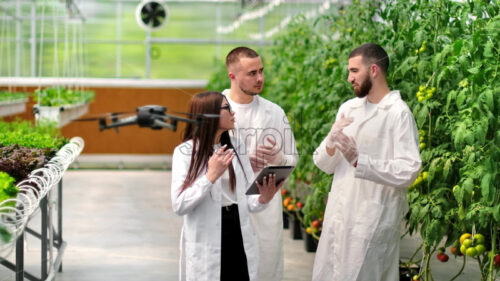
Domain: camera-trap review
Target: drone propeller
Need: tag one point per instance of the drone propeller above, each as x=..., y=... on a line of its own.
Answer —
x=112, y=115
x=207, y=115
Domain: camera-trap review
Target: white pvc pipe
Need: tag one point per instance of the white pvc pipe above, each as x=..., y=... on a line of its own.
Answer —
x=32, y=190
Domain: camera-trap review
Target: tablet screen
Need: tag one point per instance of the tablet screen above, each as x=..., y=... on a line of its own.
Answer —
x=281, y=172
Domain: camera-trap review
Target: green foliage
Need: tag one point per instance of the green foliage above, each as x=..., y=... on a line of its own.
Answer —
x=6, y=96
x=219, y=80
x=5, y=235
x=59, y=96
x=444, y=59
x=24, y=133
x=7, y=189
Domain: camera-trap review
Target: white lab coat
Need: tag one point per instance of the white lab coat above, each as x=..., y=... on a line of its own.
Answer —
x=266, y=119
x=200, y=205
x=360, y=236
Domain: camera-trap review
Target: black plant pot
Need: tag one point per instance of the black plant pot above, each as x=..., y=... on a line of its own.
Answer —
x=295, y=230
x=286, y=225
x=310, y=243
x=407, y=273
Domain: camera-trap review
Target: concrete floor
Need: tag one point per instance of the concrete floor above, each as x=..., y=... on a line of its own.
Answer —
x=119, y=226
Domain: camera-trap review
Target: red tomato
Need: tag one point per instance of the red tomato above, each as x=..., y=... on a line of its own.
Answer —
x=496, y=260
x=442, y=257
x=454, y=250
x=315, y=224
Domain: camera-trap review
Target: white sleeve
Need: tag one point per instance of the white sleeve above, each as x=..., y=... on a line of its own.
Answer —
x=289, y=151
x=324, y=161
x=183, y=203
x=252, y=200
x=403, y=169
x=279, y=128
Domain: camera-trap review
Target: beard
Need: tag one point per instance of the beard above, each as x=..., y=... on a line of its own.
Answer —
x=248, y=92
x=364, y=88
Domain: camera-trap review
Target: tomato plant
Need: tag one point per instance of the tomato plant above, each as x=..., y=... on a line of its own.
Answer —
x=444, y=60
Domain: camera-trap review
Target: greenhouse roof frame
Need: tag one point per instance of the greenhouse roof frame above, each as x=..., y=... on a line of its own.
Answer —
x=34, y=39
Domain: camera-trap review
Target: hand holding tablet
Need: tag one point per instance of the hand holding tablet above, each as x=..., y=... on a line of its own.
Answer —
x=280, y=172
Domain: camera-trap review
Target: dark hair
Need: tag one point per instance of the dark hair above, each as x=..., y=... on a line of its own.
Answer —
x=204, y=137
x=372, y=54
x=238, y=52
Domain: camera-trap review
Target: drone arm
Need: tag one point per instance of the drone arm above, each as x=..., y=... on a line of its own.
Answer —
x=162, y=124
x=126, y=121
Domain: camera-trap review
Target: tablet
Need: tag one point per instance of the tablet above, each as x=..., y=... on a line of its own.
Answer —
x=282, y=172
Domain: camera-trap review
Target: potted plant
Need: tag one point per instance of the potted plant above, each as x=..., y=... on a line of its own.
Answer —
x=12, y=103
x=61, y=105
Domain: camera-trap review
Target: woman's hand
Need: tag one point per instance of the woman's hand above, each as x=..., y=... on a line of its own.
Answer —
x=218, y=163
x=268, y=188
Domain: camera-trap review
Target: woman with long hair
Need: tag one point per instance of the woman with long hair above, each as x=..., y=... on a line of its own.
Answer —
x=209, y=181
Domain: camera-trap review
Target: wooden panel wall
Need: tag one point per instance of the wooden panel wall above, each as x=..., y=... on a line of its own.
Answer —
x=130, y=139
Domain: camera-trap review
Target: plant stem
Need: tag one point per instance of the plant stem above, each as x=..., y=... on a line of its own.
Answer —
x=460, y=271
x=481, y=268
x=492, y=257
x=414, y=254
x=427, y=265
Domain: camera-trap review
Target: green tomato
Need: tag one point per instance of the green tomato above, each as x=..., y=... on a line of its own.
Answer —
x=463, y=249
x=424, y=175
x=478, y=238
x=467, y=243
x=471, y=252
x=422, y=145
x=480, y=249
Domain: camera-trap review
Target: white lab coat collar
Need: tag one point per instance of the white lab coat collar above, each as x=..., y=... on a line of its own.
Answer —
x=236, y=143
x=256, y=99
x=386, y=102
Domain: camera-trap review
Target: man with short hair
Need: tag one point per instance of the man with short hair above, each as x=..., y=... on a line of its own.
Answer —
x=264, y=128
x=372, y=150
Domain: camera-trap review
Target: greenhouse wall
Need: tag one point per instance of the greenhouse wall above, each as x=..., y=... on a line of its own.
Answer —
x=125, y=98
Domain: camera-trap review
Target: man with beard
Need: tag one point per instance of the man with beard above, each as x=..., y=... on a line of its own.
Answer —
x=372, y=150
x=264, y=128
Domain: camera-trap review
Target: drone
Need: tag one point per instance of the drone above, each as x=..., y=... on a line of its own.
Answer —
x=149, y=116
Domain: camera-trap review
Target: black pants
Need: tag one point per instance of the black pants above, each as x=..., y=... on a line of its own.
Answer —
x=233, y=258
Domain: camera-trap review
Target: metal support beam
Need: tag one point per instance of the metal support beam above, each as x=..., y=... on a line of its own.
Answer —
x=218, y=21
x=148, y=54
x=44, y=239
x=33, y=41
x=17, y=62
x=119, y=7
x=60, y=241
x=10, y=14
x=179, y=41
x=20, y=258
x=74, y=10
